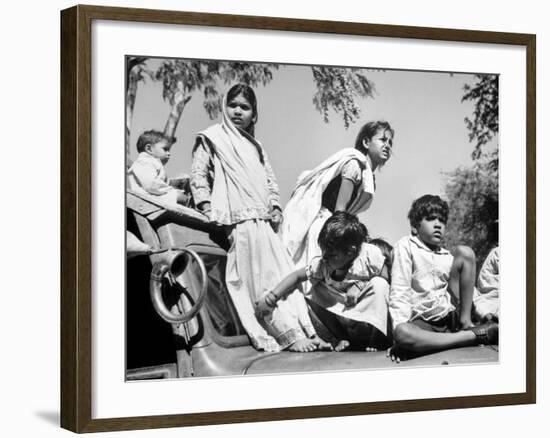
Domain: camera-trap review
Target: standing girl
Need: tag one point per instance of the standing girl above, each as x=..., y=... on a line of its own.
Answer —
x=343, y=182
x=234, y=185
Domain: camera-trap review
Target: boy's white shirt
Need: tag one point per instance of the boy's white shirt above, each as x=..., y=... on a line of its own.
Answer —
x=420, y=277
x=148, y=176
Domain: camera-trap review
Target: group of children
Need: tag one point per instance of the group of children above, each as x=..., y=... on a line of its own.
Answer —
x=415, y=298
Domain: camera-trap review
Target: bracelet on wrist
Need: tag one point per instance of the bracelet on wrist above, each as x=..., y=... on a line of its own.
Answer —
x=271, y=299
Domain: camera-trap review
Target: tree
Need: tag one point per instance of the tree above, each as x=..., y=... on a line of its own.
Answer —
x=473, y=191
x=337, y=88
x=473, y=197
x=136, y=71
x=484, y=125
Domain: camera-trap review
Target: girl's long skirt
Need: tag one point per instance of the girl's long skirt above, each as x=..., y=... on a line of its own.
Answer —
x=256, y=262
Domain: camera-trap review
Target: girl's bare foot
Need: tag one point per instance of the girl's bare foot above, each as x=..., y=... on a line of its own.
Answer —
x=342, y=345
x=303, y=346
x=321, y=343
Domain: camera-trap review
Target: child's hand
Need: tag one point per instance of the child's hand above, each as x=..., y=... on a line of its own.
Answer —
x=356, y=293
x=182, y=198
x=180, y=182
x=276, y=219
x=266, y=304
x=490, y=317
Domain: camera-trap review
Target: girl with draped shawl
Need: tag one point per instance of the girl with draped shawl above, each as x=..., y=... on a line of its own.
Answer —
x=343, y=182
x=233, y=184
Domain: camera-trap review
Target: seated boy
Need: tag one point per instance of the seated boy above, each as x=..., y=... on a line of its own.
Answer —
x=147, y=174
x=431, y=293
x=486, y=296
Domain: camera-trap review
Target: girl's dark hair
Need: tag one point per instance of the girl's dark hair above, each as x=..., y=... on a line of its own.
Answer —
x=427, y=206
x=342, y=230
x=248, y=94
x=369, y=130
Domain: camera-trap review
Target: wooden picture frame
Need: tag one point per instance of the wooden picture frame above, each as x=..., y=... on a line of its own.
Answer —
x=76, y=217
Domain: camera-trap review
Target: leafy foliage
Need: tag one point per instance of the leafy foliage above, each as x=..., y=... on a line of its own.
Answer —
x=473, y=191
x=186, y=76
x=473, y=200
x=484, y=125
x=337, y=88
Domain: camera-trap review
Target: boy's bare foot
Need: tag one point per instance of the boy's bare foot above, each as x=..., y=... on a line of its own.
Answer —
x=341, y=345
x=371, y=349
x=466, y=324
x=303, y=346
x=321, y=343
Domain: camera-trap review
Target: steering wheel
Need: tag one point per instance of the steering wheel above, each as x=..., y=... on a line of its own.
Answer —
x=162, y=270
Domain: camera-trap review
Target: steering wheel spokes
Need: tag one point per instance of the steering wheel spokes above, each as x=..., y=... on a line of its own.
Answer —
x=168, y=269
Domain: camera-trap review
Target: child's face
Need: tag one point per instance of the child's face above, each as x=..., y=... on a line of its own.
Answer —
x=160, y=150
x=240, y=112
x=339, y=258
x=431, y=230
x=379, y=146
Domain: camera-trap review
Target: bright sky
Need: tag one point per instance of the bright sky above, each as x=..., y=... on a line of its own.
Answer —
x=424, y=108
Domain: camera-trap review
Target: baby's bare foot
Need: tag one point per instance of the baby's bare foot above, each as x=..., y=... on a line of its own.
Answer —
x=342, y=345
x=321, y=343
x=303, y=346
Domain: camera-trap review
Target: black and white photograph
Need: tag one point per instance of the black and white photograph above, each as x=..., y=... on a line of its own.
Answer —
x=292, y=218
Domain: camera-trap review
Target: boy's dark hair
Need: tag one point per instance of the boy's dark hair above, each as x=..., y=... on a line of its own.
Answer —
x=428, y=206
x=151, y=137
x=342, y=230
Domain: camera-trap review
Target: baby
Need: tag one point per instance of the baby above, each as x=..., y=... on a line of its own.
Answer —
x=147, y=174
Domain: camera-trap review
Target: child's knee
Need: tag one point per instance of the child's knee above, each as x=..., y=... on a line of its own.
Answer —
x=380, y=286
x=464, y=253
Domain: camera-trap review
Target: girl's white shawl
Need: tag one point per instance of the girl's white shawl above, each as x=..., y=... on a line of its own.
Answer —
x=240, y=189
x=306, y=199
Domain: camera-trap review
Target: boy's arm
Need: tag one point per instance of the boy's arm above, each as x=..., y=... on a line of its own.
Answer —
x=269, y=300
x=400, y=298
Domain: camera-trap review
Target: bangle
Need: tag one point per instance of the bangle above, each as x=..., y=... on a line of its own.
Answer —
x=273, y=301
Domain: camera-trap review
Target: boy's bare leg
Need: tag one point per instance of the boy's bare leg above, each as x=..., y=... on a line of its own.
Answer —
x=413, y=338
x=462, y=282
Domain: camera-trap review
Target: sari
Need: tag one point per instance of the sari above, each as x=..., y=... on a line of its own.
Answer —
x=243, y=193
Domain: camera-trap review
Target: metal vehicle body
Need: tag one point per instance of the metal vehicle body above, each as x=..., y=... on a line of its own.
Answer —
x=185, y=274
